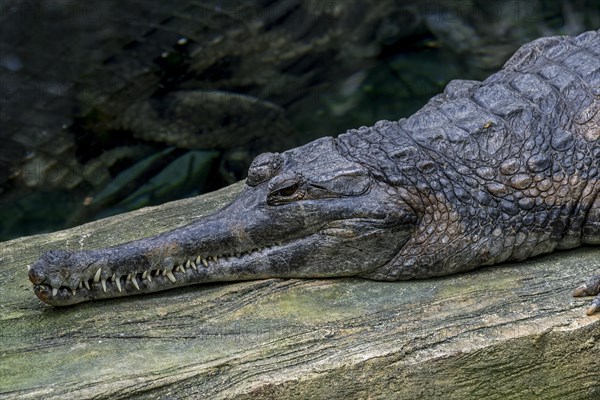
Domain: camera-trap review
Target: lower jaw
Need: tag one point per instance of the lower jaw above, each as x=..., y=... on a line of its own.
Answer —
x=193, y=271
x=190, y=273
x=219, y=269
x=157, y=283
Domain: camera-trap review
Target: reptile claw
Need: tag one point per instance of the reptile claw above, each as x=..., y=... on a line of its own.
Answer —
x=590, y=288
x=581, y=291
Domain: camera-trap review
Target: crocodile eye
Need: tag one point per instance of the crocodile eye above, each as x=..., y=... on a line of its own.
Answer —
x=287, y=191
x=284, y=189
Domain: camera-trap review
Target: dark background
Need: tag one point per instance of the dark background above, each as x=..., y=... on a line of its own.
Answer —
x=107, y=106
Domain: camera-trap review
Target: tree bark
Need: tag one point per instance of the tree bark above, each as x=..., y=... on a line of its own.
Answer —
x=505, y=332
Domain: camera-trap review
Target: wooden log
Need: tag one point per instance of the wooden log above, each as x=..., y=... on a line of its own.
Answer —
x=505, y=332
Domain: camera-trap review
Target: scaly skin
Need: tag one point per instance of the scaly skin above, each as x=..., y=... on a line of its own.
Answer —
x=487, y=172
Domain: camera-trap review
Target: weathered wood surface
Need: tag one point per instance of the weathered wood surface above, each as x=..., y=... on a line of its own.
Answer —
x=507, y=332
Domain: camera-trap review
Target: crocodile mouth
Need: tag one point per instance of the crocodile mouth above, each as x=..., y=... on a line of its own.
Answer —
x=187, y=272
x=145, y=270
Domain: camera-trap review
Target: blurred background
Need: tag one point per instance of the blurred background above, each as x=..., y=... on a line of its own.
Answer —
x=111, y=105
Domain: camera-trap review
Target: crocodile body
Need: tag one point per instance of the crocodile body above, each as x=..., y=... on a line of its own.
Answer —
x=486, y=172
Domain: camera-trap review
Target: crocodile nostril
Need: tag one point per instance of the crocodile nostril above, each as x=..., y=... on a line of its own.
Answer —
x=36, y=275
x=65, y=273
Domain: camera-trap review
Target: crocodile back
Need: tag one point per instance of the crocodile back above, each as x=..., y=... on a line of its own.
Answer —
x=502, y=169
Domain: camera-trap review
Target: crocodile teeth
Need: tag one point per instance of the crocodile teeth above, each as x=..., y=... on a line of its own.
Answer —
x=80, y=284
x=171, y=277
x=118, y=281
x=145, y=274
x=97, y=276
x=28, y=267
x=113, y=277
x=129, y=277
x=205, y=262
x=149, y=277
x=54, y=292
x=104, y=285
x=87, y=285
x=157, y=273
x=198, y=259
x=73, y=291
x=134, y=281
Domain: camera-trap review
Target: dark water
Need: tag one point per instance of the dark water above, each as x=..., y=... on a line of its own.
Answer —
x=108, y=106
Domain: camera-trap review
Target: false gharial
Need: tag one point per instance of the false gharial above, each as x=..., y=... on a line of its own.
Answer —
x=486, y=172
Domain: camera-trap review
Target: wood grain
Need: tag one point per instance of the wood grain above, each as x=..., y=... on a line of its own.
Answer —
x=506, y=332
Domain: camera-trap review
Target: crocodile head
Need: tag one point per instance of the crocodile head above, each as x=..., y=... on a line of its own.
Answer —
x=306, y=213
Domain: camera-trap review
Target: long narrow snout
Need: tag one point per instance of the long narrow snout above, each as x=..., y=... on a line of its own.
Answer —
x=244, y=241
x=307, y=213
x=200, y=252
